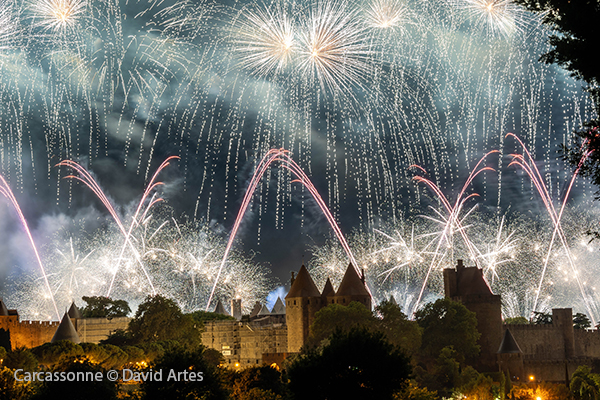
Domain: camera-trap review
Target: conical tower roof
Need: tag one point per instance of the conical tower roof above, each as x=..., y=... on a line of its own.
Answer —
x=66, y=331
x=328, y=290
x=351, y=284
x=255, y=309
x=220, y=309
x=303, y=285
x=263, y=311
x=3, y=309
x=74, y=311
x=278, y=308
x=509, y=344
x=393, y=300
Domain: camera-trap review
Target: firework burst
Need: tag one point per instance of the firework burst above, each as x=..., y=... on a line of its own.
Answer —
x=58, y=16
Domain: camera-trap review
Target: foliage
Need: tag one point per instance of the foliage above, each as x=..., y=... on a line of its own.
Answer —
x=79, y=389
x=447, y=323
x=544, y=390
x=159, y=318
x=575, y=35
x=482, y=388
x=104, y=307
x=541, y=318
x=209, y=388
x=119, y=337
x=415, y=392
x=581, y=321
x=50, y=354
x=264, y=380
x=12, y=389
x=355, y=364
x=585, y=385
x=259, y=394
x=397, y=328
x=213, y=357
x=21, y=358
x=516, y=321
x=338, y=317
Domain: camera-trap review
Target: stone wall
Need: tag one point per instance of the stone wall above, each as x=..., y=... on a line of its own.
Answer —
x=244, y=344
x=28, y=333
x=93, y=330
x=587, y=343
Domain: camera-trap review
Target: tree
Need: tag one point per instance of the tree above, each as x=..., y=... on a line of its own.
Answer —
x=264, y=380
x=207, y=386
x=78, y=389
x=104, y=307
x=397, y=328
x=585, y=385
x=12, y=389
x=448, y=323
x=575, y=39
x=338, y=317
x=358, y=364
x=21, y=358
x=159, y=318
x=581, y=321
x=541, y=318
x=516, y=321
x=574, y=46
x=50, y=354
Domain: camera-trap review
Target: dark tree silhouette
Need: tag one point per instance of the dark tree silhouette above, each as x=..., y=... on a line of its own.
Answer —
x=358, y=364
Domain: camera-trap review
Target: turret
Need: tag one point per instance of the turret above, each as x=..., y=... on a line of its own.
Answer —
x=302, y=302
x=353, y=288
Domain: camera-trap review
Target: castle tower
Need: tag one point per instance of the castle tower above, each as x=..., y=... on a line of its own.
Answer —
x=328, y=293
x=562, y=318
x=353, y=288
x=66, y=331
x=510, y=357
x=236, y=308
x=468, y=286
x=302, y=302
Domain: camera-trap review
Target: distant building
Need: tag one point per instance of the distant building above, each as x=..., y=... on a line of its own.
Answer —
x=269, y=336
x=550, y=352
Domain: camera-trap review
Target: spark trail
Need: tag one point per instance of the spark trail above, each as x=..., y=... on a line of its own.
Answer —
x=7, y=192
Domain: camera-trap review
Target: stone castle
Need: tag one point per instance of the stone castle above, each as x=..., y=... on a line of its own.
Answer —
x=549, y=352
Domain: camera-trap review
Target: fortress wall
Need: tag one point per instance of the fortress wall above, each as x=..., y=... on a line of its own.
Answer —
x=552, y=371
x=542, y=342
x=587, y=343
x=489, y=323
x=93, y=330
x=28, y=333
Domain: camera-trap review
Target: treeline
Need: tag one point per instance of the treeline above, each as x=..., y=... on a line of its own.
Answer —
x=352, y=353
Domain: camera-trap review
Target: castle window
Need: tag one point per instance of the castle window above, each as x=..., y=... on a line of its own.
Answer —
x=308, y=301
x=294, y=302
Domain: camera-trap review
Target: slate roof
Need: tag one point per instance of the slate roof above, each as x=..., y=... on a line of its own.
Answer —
x=328, y=290
x=278, y=308
x=351, y=284
x=303, y=285
x=74, y=311
x=65, y=331
x=3, y=309
x=509, y=344
x=220, y=309
x=263, y=311
x=255, y=310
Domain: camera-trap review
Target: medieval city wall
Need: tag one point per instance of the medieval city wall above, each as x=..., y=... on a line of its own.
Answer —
x=541, y=342
x=93, y=330
x=587, y=343
x=28, y=333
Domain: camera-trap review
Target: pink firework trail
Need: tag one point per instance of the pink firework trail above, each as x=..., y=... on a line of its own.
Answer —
x=89, y=181
x=153, y=184
x=282, y=156
x=453, y=220
x=5, y=190
x=528, y=165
